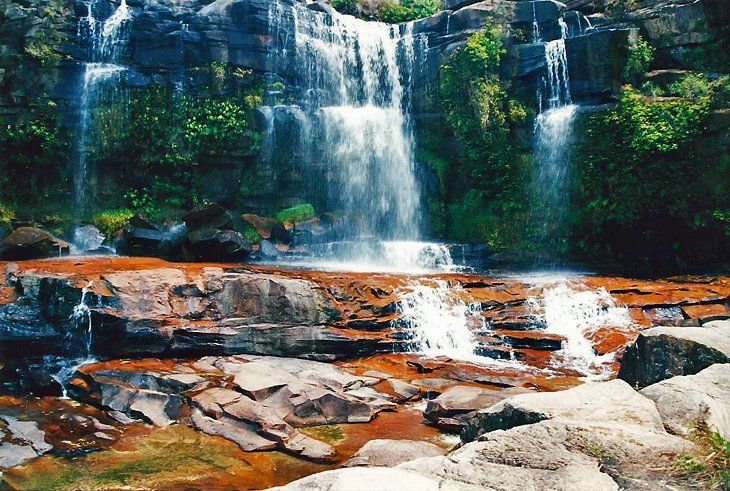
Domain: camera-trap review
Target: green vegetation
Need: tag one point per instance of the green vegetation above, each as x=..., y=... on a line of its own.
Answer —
x=483, y=186
x=110, y=221
x=33, y=156
x=641, y=55
x=641, y=190
x=347, y=7
x=406, y=10
x=163, y=140
x=709, y=467
x=296, y=213
x=7, y=213
x=712, y=57
x=43, y=43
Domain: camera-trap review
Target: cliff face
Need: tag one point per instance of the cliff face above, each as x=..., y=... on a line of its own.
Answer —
x=185, y=44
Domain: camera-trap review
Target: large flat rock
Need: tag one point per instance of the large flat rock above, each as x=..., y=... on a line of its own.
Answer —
x=685, y=401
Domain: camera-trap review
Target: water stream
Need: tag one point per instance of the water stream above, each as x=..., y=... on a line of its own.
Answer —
x=105, y=42
x=553, y=133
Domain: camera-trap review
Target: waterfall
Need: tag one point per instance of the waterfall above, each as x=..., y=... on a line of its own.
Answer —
x=105, y=42
x=553, y=131
x=574, y=311
x=351, y=83
x=79, y=337
x=440, y=322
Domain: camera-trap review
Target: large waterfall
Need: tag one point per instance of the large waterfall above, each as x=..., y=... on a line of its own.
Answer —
x=351, y=120
x=552, y=148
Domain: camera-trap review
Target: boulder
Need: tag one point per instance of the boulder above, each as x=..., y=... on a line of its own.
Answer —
x=20, y=441
x=267, y=227
x=5, y=229
x=212, y=216
x=389, y=453
x=660, y=353
x=684, y=401
x=267, y=250
x=31, y=243
x=145, y=294
x=448, y=408
x=607, y=423
x=218, y=245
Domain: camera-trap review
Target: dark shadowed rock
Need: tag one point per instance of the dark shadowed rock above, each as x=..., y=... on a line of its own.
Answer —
x=660, y=353
x=218, y=245
x=31, y=243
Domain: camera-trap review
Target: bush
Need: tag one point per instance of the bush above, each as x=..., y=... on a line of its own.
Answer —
x=641, y=55
x=32, y=155
x=110, y=221
x=296, y=213
x=407, y=10
x=7, y=213
x=347, y=7
x=485, y=183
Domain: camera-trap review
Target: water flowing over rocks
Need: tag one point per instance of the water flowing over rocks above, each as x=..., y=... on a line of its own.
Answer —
x=182, y=351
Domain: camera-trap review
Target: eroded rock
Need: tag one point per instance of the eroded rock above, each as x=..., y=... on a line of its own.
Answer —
x=685, y=401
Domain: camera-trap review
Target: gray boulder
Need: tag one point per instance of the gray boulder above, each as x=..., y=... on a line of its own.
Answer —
x=660, y=353
x=389, y=453
x=686, y=400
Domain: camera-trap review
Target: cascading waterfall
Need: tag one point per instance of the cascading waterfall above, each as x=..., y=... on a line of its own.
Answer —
x=105, y=42
x=572, y=310
x=352, y=93
x=440, y=322
x=553, y=131
x=79, y=337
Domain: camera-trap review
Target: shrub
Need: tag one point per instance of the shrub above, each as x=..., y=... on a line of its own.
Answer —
x=110, y=221
x=7, y=213
x=32, y=153
x=296, y=213
x=347, y=7
x=407, y=10
x=641, y=55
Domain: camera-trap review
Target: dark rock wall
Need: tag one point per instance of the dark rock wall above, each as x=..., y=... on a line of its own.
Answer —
x=174, y=42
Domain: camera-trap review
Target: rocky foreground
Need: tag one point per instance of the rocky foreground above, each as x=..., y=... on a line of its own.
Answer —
x=214, y=376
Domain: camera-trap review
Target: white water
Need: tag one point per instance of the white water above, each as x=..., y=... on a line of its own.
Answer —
x=80, y=324
x=351, y=137
x=572, y=310
x=440, y=322
x=105, y=41
x=406, y=257
x=553, y=132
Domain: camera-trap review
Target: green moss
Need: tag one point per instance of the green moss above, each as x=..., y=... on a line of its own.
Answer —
x=332, y=434
x=296, y=213
x=251, y=233
x=110, y=221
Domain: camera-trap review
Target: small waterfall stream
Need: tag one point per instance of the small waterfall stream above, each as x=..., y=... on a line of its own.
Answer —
x=553, y=131
x=79, y=338
x=105, y=42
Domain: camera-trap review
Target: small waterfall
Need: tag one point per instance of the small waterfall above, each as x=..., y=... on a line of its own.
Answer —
x=351, y=83
x=79, y=339
x=440, y=322
x=574, y=311
x=105, y=41
x=553, y=132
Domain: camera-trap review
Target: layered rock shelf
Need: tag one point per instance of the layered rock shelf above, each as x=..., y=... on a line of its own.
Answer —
x=296, y=370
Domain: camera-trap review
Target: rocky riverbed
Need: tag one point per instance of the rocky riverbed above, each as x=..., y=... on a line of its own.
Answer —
x=144, y=374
